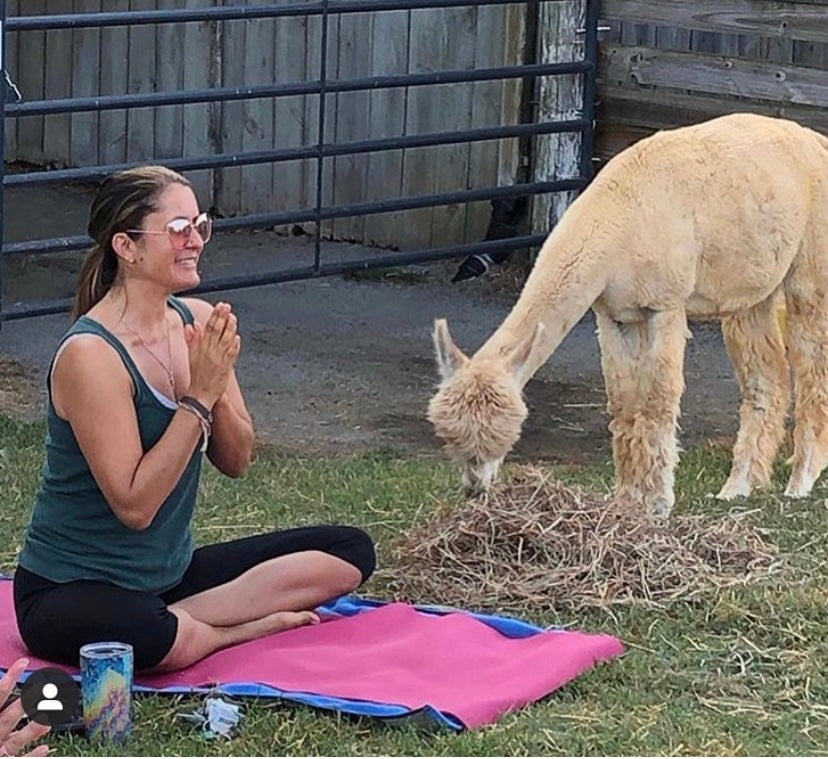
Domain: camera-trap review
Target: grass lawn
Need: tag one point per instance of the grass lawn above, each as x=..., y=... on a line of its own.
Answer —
x=743, y=672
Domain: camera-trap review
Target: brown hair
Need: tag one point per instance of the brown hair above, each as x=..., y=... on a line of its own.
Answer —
x=123, y=201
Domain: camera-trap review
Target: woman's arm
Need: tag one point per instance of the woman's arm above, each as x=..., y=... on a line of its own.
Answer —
x=92, y=391
x=233, y=437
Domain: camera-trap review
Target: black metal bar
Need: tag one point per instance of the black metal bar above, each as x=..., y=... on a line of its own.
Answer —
x=425, y=255
x=224, y=94
x=241, y=282
x=164, y=16
x=79, y=242
x=2, y=136
x=226, y=13
x=320, y=143
x=291, y=154
x=397, y=204
x=591, y=58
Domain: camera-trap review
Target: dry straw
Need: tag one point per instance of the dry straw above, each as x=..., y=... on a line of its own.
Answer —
x=533, y=541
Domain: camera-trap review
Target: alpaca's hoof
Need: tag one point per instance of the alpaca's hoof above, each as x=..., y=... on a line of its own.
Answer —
x=797, y=490
x=733, y=489
x=661, y=507
x=801, y=482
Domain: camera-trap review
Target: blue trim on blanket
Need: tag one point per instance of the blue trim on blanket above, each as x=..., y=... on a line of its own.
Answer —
x=347, y=606
x=508, y=626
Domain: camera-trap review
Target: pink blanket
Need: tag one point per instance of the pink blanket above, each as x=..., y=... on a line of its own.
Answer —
x=393, y=654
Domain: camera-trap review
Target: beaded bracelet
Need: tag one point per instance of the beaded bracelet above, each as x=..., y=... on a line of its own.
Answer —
x=202, y=413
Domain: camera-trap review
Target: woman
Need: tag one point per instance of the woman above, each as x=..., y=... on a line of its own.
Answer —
x=140, y=386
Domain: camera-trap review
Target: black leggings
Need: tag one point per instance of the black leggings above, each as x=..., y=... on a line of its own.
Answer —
x=56, y=619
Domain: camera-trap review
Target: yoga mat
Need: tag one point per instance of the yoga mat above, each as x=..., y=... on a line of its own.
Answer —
x=382, y=659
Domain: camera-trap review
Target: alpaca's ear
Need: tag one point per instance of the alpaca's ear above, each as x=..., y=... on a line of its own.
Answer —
x=449, y=357
x=521, y=358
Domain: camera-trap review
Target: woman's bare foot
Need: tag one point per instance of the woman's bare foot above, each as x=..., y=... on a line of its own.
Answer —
x=195, y=639
x=280, y=621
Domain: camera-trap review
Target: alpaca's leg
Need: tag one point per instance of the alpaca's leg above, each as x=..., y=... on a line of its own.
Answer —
x=754, y=342
x=620, y=348
x=807, y=337
x=643, y=367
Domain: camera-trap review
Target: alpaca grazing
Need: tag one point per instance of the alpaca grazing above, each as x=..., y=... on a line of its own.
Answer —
x=712, y=221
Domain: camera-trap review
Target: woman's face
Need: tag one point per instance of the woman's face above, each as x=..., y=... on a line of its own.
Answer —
x=169, y=251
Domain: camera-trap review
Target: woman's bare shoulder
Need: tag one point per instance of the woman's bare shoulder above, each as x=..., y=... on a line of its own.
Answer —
x=89, y=359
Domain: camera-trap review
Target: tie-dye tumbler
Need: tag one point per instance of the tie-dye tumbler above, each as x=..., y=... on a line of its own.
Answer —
x=106, y=686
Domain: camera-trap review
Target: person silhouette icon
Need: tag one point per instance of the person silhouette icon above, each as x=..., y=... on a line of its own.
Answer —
x=51, y=697
x=49, y=703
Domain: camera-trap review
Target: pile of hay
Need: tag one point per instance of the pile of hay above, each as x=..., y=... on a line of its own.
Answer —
x=534, y=541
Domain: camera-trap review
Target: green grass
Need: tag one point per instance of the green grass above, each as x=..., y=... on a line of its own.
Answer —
x=742, y=672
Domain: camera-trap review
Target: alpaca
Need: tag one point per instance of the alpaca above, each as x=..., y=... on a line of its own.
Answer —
x=718, y=220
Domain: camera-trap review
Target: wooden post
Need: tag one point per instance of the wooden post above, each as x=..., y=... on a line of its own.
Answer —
x=557, y=156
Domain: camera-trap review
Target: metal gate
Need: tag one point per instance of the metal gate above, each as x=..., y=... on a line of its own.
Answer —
x=11, y=106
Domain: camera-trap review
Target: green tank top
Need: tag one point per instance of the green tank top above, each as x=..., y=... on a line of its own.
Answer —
x=73, y=534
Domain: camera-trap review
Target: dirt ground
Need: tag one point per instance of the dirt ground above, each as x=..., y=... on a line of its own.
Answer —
x=345, y=364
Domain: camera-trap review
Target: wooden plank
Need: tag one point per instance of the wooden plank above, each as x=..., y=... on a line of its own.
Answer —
x=515, y=155
x=112, y=125
x=811, y=54
x=141, y=78
x=635, y=33
x=672, y=38
x=11, y=64
x=389, y=55
x=30, y=80
x=453, y=108
x=86, y=54
x=314, y=53
x=490, y=49
x=352, y=119
x=776, y=50
x=511, y=150
x=200, y=121
x=228, y=180
x=702, y=42
x=792, y=20
x=169, y=76
x=713, y=74
x=288, y=188
x=421, y=116
x=629, y=114
x=561, y=97
x=57, y=129
x=257, y=120
x=664, y=109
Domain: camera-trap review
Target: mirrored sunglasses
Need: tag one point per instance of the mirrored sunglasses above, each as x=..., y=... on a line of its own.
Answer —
x=180, y=231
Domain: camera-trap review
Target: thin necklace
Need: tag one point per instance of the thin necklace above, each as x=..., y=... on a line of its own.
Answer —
x=165, y=367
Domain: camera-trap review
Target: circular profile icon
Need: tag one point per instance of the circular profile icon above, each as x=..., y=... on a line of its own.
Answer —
x=50, y=697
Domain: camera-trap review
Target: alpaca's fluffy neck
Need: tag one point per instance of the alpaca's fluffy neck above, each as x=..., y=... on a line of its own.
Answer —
x=570, y=273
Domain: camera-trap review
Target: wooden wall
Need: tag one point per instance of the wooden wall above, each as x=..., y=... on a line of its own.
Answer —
x=665, y=63
x=57, y=64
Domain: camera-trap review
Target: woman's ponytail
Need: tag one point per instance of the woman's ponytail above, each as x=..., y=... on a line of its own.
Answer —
x=96, y=277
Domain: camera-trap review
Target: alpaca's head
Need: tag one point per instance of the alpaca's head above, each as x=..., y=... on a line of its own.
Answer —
x=478, y=410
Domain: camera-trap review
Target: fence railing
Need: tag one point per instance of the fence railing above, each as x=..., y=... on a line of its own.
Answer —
x=321, y=150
